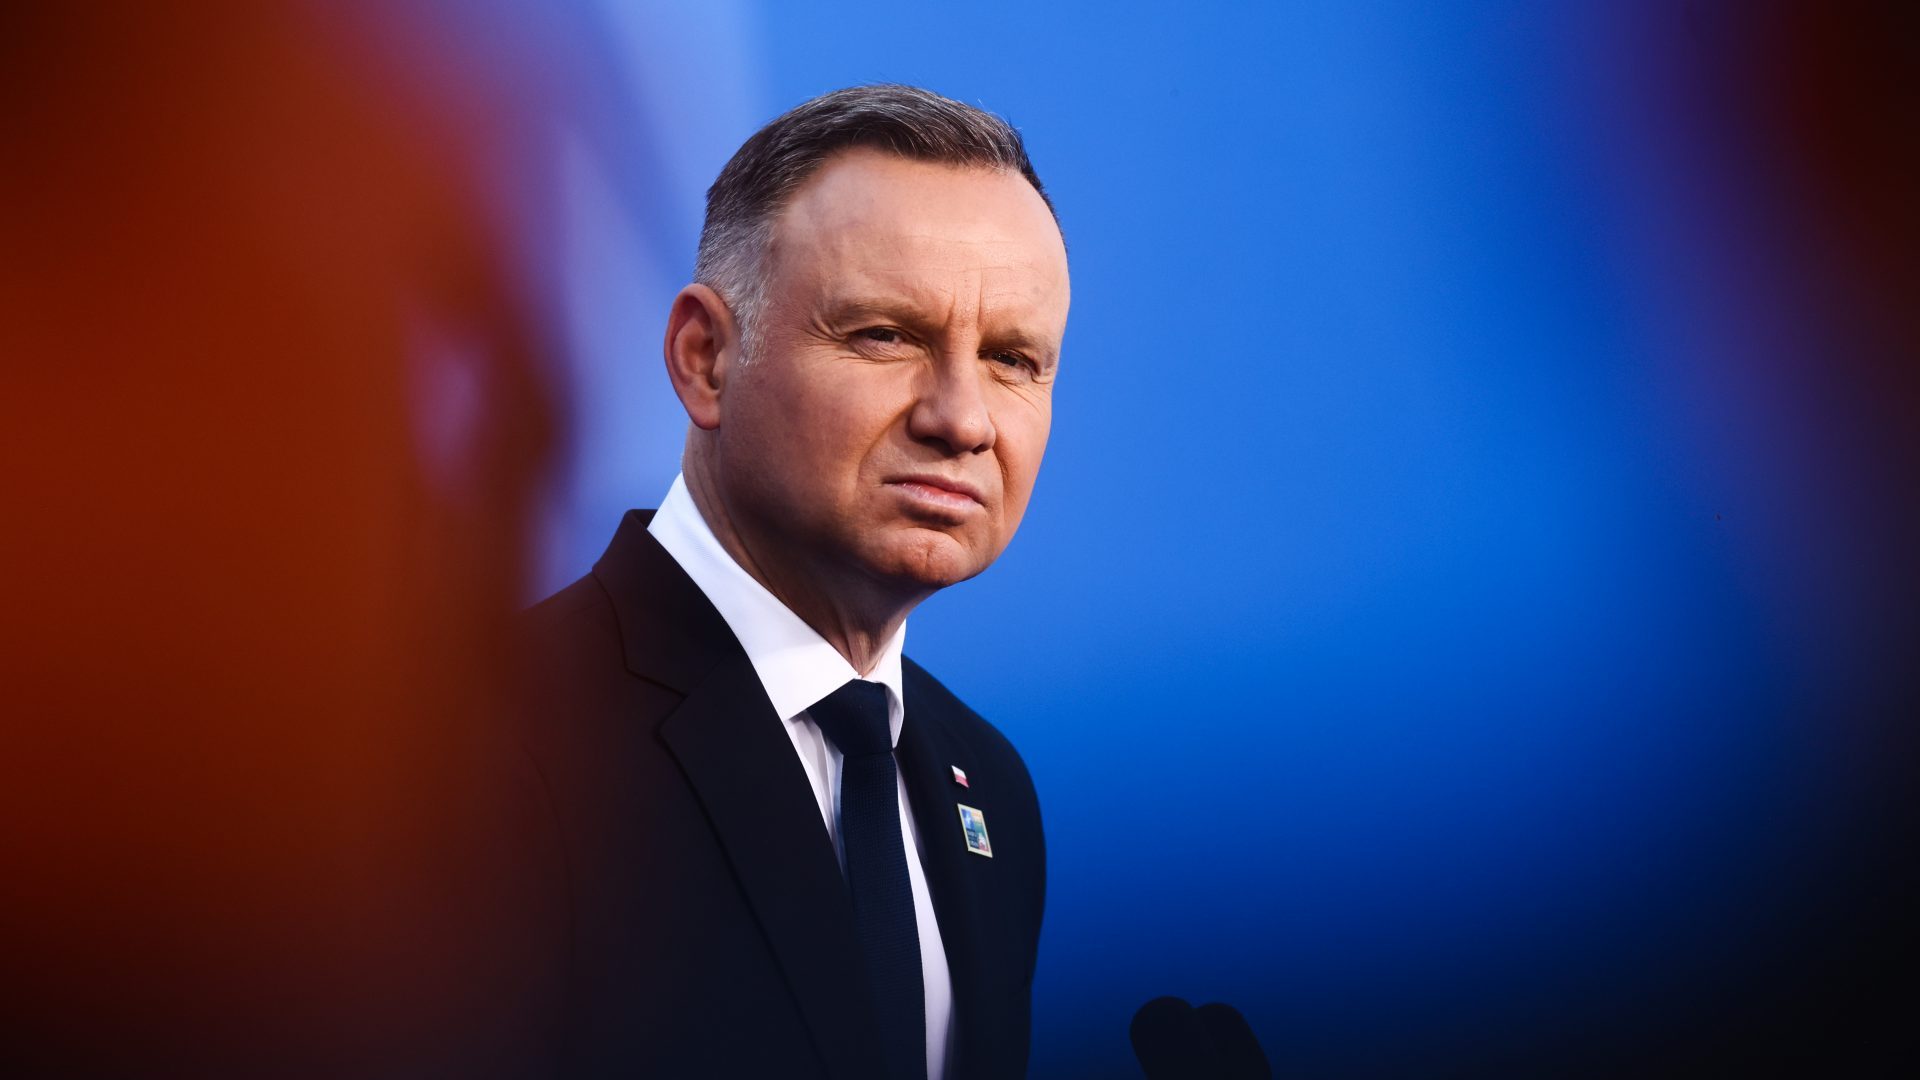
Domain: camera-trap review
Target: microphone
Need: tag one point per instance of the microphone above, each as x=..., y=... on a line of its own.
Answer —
x=1168, y=1040
x=1240, y=1055
x=1175, y=1041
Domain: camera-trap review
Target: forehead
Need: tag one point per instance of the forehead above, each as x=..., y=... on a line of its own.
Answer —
x=870, y=221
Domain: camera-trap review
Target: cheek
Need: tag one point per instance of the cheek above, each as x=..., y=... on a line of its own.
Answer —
x=837, y=428
x=1023, y=442
x=1024, y=432
x=860, y=414
x=794, y=410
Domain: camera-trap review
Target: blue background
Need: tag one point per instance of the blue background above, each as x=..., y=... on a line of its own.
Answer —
x=1454, y=624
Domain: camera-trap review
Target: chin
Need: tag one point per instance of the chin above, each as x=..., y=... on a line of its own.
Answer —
x=930, y=559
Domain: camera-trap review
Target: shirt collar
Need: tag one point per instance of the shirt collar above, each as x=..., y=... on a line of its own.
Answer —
x=797, y=666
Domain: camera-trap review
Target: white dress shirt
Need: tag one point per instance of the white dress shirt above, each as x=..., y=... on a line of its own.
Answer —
x=797, y=667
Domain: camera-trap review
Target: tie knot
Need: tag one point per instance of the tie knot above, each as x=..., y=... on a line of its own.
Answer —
x=855, y=718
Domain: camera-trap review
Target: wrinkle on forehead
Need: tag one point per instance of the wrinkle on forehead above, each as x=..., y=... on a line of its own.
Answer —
x=869, y=247
x=926, y=263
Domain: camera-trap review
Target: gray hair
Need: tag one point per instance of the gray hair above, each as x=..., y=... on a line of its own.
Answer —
x=755, y=186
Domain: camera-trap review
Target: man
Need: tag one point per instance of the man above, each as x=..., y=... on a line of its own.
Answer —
x=786, y=849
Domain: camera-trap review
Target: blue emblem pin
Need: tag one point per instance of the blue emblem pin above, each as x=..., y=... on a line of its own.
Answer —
x=974, y=824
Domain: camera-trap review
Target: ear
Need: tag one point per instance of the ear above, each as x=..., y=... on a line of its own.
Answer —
x=703, y=344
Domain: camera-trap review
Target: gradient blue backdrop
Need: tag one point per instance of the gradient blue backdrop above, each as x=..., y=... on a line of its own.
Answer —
x=1437, y=630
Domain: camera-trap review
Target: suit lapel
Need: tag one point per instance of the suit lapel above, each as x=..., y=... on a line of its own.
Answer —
x=728, y=741
x=927, y=752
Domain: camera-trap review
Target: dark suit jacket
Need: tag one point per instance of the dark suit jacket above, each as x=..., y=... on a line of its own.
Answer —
x=709, y=931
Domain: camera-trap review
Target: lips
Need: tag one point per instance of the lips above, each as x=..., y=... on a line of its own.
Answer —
x=943, y=485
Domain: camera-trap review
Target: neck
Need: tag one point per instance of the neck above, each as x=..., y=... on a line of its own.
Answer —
x=855, y=614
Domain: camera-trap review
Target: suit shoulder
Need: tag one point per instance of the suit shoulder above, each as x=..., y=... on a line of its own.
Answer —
x=568, y=635
x=577, y=616
x=583, y=600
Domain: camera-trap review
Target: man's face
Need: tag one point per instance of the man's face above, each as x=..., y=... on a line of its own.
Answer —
x=892, y=418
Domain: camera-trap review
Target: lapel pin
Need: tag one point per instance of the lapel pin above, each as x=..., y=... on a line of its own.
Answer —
x=974, y=824
x=959, y=775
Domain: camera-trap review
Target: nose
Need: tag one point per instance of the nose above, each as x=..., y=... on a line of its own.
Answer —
x=951, y=408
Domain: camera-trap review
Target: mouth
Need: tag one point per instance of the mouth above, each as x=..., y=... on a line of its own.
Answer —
x=939, y=491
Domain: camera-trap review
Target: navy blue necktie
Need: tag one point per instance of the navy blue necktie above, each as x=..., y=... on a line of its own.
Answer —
x=855, y=718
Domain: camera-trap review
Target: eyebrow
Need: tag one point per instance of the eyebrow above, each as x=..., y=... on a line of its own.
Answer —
x=863, y=306
x=914, y=317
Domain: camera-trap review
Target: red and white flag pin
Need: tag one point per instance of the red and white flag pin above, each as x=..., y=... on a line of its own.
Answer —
x=959, y=775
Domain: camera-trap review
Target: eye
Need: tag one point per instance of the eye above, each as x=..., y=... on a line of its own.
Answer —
x=884, y=335
x=1011, y=360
